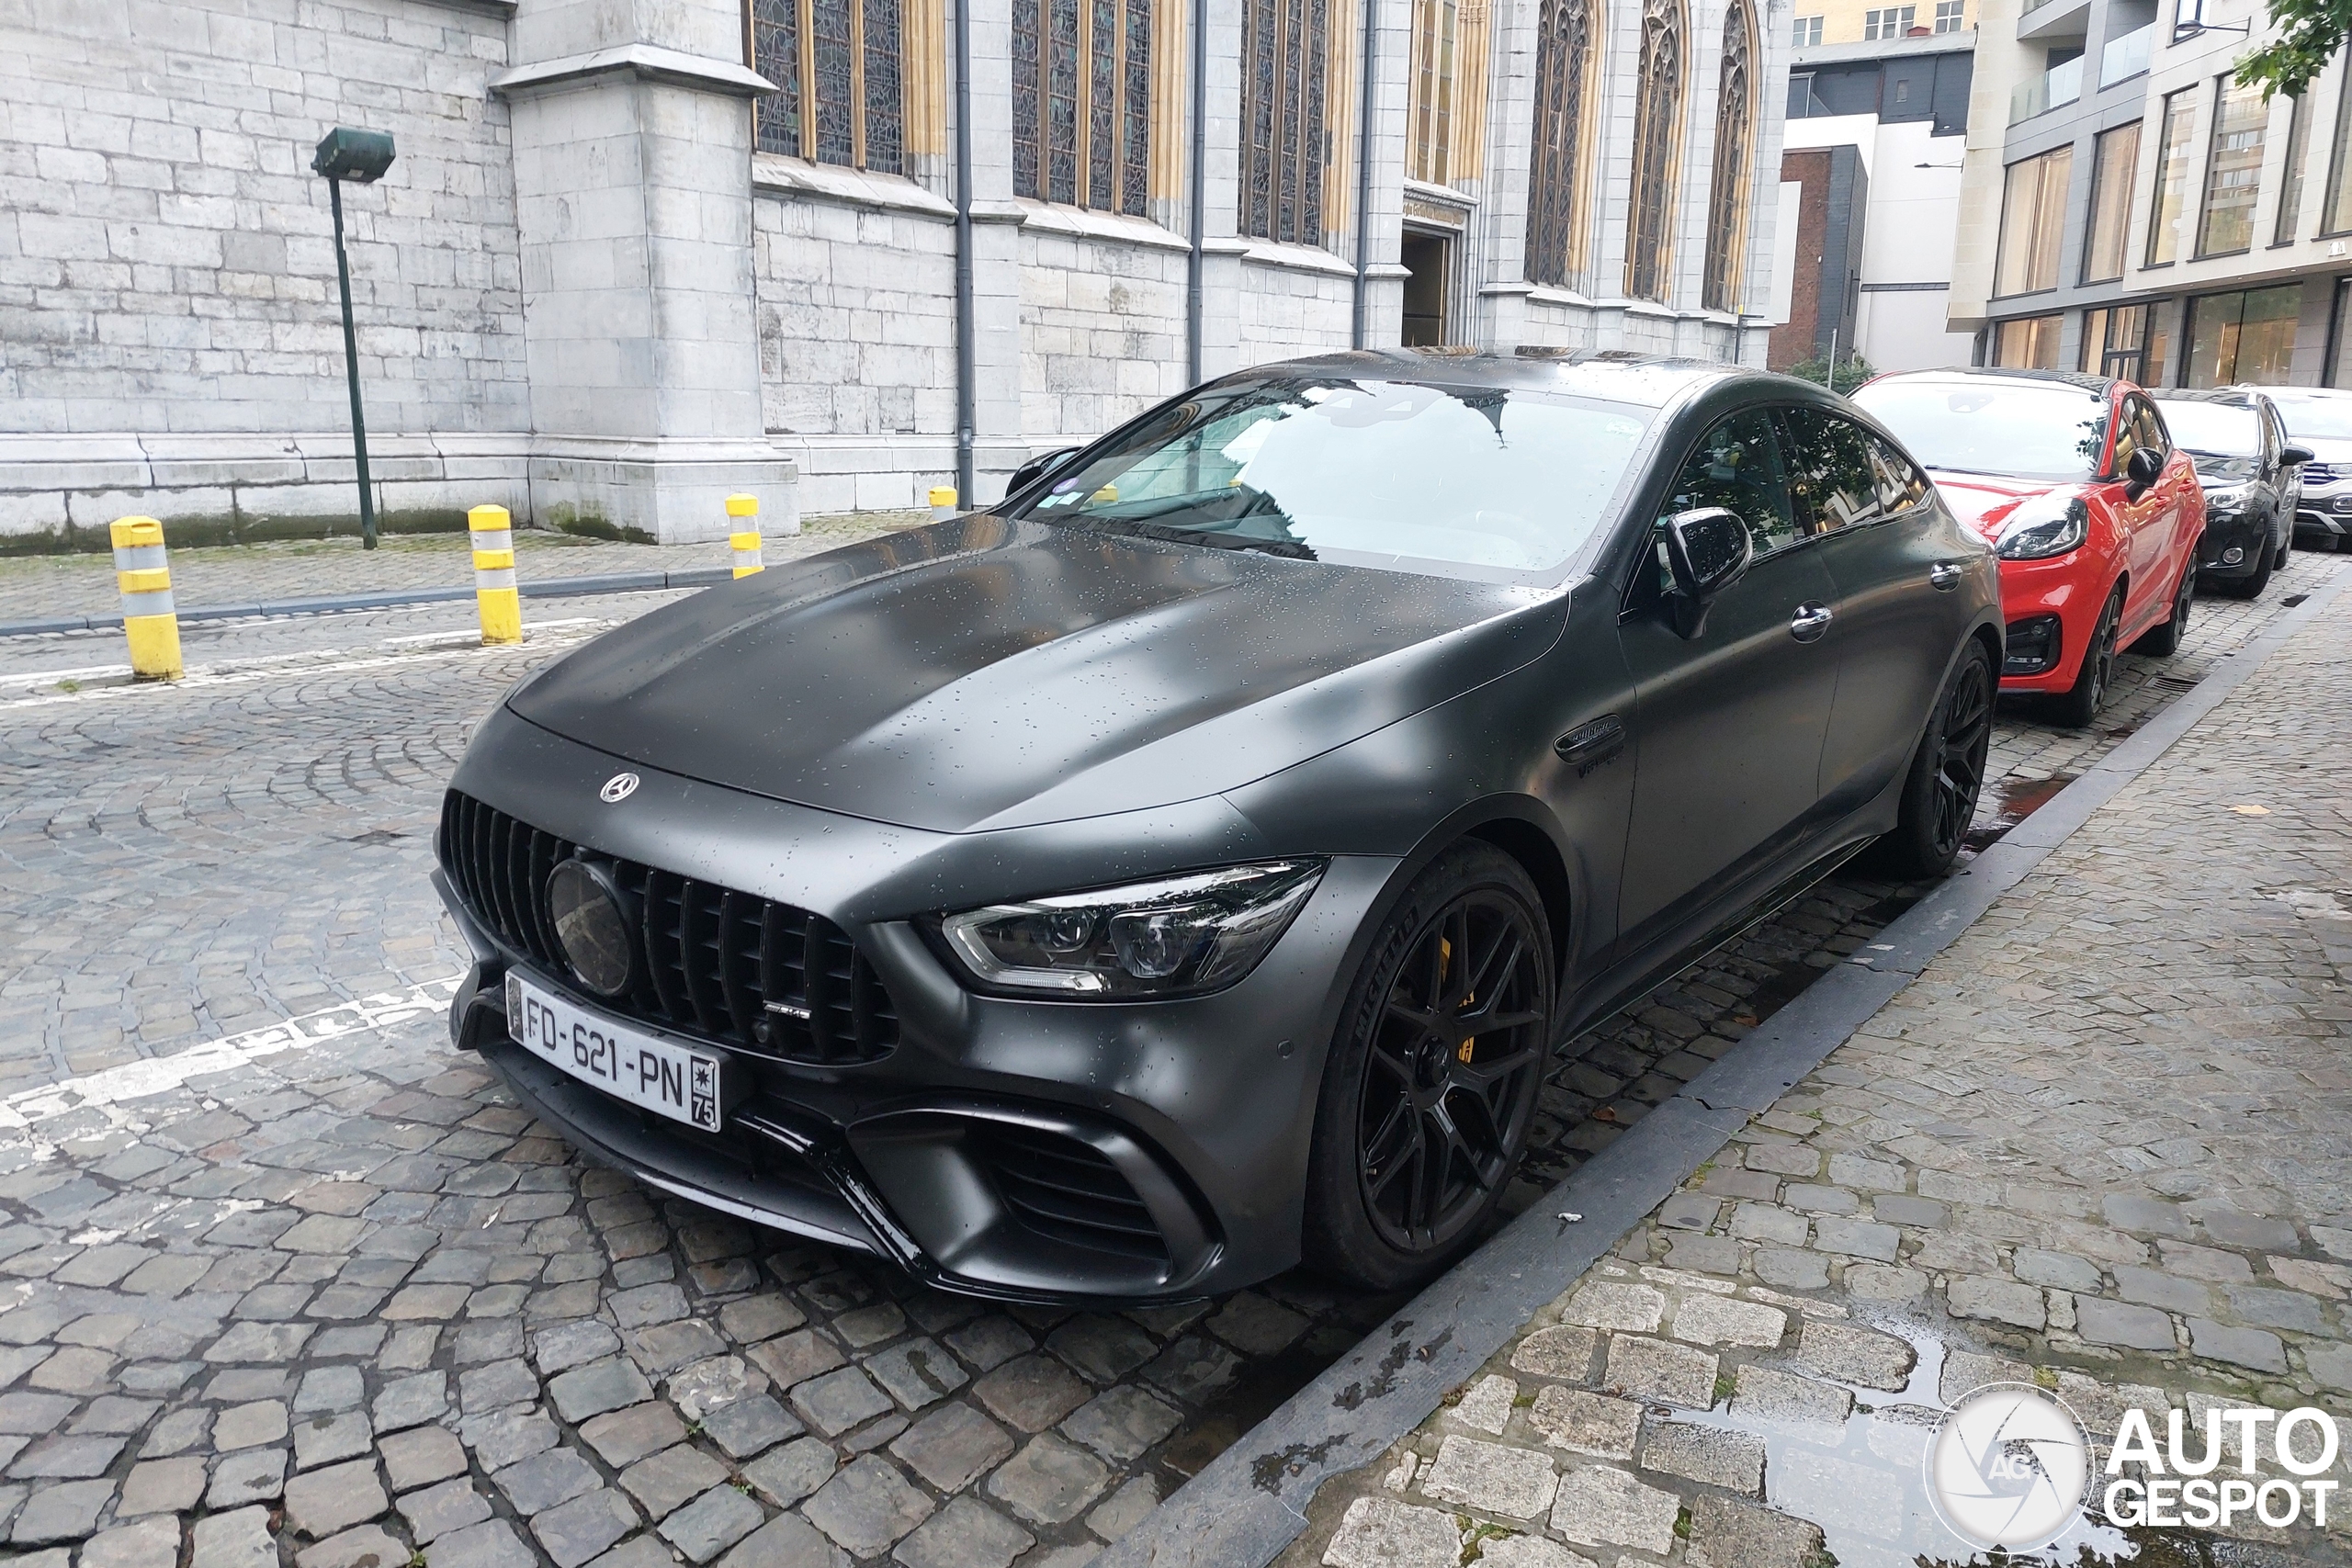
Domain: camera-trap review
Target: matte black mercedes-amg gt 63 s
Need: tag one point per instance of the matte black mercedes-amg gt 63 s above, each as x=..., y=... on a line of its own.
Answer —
x=1188, y=867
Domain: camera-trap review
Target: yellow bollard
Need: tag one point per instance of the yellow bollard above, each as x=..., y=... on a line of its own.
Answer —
x=145, y=578
x=942, y=502
x=745, y=540
x=495, y=596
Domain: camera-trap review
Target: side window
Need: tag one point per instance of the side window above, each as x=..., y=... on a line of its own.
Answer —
x=1832, y=471
x=1901, y=485
x=1735, y=466
x=2148, y=428
x=2127, y=439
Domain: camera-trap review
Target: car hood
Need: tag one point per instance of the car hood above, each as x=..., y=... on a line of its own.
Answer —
x=985, y=673
x=1985, y=501
x=2334, y=454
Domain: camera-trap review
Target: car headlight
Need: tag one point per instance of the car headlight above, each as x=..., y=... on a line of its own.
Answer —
x=1176, y=936
x=2226, y=498
x=2043, y=526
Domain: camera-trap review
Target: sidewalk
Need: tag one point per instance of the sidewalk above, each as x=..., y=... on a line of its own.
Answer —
x=34, y=588
x=2102, y=1143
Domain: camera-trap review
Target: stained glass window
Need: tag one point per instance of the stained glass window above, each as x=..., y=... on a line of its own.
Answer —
x=1555, y=193
x=1727, y=194
x=838, y=69
x=1657, y=130
x=1081, y=102
x=1284, y=58
x=1437, y=26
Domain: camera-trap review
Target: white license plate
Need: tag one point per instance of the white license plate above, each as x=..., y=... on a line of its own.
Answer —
x=661, y=1075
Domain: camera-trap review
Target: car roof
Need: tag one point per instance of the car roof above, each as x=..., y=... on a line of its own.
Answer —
x=2228, y=397
x=1608, y=375
x=2298, y=394
x=2101, y=384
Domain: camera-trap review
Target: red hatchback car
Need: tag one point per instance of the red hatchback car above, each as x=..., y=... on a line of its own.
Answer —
x=2094, y=512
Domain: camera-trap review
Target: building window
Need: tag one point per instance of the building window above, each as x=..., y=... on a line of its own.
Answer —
x=2248, y=337
x=1081, y=102
x=1436, y=39
x=1734, y=133
x=2029, y=343
x=2233, y=169
x=2336, y=216
x=1658, y=141
x=1284, y=54
x=1556, y=180
x=2114, y=161
x=2112, y=339
x=2172, y=176
x=836, y=67
x=2033, y=222
x=1805, y=32
x=1896, y=21
x=1948, y=14
x=2291, y=185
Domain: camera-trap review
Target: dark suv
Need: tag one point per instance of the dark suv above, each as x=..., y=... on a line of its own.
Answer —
x=2250, y=472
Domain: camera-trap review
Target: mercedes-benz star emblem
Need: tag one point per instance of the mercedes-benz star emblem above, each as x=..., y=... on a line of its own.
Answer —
x=617, y=788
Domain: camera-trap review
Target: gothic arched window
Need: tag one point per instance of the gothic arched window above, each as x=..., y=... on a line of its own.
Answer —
x=1284, y=48
x=1556, y=176
x=1658, y=135
x=836, y=64
x=1081, y=102
x=1734, y=132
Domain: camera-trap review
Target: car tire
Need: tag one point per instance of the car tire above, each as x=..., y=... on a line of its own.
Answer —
x=1947, y=774
x=2079, y=705
x=2164, y=641
x=1399, y=1054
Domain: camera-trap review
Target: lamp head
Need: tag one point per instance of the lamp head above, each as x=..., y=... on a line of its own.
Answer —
x=347, y=154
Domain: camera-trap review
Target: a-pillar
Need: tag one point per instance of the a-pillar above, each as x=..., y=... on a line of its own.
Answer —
x=632, y=134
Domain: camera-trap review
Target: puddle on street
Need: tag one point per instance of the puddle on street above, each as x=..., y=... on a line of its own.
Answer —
x=2013, y=800
x=1864, y=1482
x=1260, y=1391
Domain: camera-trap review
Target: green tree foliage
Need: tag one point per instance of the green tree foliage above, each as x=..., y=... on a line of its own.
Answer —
x=2306, y=35
x=1849, y=373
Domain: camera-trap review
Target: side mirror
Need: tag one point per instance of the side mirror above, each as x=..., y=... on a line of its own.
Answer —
x=2142, y=469
x=1036, y=469
x=2294, y=456
x=1707, y=549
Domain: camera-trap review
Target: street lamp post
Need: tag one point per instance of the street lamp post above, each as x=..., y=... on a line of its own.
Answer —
x=361, y=156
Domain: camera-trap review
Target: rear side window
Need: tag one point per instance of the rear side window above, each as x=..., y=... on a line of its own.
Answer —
x=1833, y=471
x=1901, y=485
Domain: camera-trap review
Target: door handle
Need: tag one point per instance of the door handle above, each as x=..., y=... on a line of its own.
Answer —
x=1944, y=575
x=1588, y=746
x=1810, y=621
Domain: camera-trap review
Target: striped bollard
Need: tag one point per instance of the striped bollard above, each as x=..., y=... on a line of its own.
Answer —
x=942, y=502
x=495, y=597
x=149, y=620
x=745, y=538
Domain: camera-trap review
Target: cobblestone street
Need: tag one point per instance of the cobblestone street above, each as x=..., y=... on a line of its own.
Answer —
x=284, y=1279
x=2101, y=1144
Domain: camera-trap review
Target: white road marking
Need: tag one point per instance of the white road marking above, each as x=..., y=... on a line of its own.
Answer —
x=111, y=1090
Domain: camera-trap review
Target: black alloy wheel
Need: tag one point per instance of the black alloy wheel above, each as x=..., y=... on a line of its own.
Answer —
x=2080, y=705
x=1433, y=1081
x=1947, y=773
x=2164, y=641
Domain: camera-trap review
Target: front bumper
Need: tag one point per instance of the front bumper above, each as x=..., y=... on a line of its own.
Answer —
x=2247, y=533
x=2036, y=596
x=1179, y=1131
x=2323, y=513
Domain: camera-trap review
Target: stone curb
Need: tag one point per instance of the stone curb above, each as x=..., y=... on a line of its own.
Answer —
x=1250, y=1502
x=543, y=588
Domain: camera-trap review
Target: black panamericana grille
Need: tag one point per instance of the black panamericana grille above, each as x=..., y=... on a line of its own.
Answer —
x=1069, y=1191
x=714, y=959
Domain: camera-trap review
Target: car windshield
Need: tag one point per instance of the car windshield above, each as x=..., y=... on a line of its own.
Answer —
x=2223, y=430
x=2319, y=419
x=1488, y=482
x=1981, y=426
